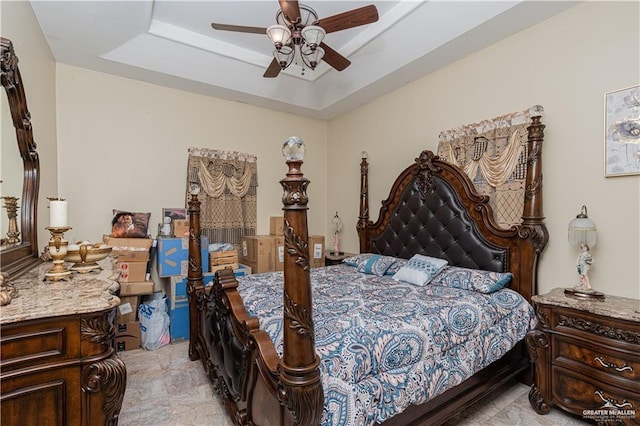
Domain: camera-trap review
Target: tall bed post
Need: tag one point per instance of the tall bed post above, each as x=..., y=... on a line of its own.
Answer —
x=299, y=366
x=194, y=274
x=363, y=218
x=533, y=226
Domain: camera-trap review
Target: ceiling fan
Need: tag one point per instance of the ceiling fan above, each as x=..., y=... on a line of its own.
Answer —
x=298, y=34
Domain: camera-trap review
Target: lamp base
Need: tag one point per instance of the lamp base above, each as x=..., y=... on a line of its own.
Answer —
x=584, y=294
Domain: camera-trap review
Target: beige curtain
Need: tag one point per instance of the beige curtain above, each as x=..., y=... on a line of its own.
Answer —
x=229, y=182
x=493, y=153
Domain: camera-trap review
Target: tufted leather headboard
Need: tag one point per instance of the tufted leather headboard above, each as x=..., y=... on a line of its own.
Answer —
x=437, y=225
x=433, y=209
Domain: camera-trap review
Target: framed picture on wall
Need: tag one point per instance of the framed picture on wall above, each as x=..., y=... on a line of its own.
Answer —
x=622, y=132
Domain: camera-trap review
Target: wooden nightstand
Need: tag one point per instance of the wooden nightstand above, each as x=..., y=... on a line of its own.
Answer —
x=586, y=357
x=335, y=259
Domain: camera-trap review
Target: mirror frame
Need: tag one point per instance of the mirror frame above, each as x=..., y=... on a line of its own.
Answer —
x=22, y=257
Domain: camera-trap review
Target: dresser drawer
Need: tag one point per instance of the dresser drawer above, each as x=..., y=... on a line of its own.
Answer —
x=611, y=365
x=37, y=342
x=577, y=392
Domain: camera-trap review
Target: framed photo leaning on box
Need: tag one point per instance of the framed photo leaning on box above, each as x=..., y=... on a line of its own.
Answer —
x=173, y=216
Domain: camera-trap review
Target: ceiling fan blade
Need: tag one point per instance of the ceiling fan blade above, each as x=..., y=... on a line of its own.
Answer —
x=334, y=59
x=273, y=69
x=353, y=18
x=238, y=28
x=290, y=10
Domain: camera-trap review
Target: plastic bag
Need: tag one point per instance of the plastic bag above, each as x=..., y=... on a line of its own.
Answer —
x=154, y=324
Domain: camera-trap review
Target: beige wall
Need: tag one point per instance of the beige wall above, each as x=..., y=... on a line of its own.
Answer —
x=123, y=144
x=566, y=64
x=37, y=68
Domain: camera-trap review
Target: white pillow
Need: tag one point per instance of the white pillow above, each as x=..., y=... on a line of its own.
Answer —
x=420, y=270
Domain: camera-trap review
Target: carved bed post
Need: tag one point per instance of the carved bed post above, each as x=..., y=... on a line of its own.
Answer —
x=194, y=274
x=533, y=226
x=363, y=218
x=299, y=373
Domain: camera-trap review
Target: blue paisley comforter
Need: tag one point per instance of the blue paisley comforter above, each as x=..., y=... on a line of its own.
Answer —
x=386, y=345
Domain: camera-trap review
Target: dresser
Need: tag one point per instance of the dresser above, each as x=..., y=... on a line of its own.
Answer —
x=586, y=357
x=58, y=364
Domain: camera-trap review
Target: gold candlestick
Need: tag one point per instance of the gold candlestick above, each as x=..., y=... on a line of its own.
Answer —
x=13, y=234
x=58, y=250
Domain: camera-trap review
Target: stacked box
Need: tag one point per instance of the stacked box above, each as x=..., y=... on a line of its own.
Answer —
x=127, y=309
x=279, y=252
x=258, y=252
x=175, y=288
x=173, y=256
x=127, y=336
x=276, y=225
x=316, y=251
x=223, y=259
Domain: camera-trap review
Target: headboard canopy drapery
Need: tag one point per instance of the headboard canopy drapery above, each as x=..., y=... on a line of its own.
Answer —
x=493, y=153
x=229, y=182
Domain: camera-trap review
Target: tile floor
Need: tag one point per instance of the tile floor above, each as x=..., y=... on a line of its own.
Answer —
x=165, y=388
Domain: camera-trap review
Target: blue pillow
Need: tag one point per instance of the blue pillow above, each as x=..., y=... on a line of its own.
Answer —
x=357, y=259
x=420, y=270
x=472, y=279
x=376, y=264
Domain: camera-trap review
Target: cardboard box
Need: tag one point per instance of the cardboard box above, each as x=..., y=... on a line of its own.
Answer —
x=257, y=251
x=129, y=249
x=132, y=271
x=127, y=309
x=180, y=228
x=127, y=336
x=173, y=256
x=242, y=271
x=279, y=253
x=178, y=303
x=276, y=225
x=136, y=288
x=316, y=251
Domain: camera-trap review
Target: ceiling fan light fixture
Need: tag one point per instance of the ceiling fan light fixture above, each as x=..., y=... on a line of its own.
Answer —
x=279, y=35
x=312, y=57
x=313, y=35
x=284, y=56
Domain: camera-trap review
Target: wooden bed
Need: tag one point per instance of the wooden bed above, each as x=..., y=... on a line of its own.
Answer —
x=432, y=209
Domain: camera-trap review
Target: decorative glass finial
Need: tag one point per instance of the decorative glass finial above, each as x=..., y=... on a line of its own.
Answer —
x=294, y=149
x=364, y=155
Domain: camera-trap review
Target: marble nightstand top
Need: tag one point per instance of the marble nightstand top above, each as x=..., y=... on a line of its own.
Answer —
x=82, y=293
x=612, y=306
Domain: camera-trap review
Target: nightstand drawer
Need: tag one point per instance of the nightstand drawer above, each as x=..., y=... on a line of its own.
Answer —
x=576, y=392
x=620, y=366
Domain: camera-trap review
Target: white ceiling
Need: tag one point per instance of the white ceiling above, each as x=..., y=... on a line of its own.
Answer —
x=171, y=43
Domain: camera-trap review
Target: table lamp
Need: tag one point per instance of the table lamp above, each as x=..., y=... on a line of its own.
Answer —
x=336, y=223
x=582, y=234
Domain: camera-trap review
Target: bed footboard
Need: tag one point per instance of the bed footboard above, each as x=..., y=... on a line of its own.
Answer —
x=257, y=386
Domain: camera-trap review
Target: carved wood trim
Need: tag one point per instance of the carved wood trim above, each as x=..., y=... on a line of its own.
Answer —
x=599, y=329
x=97, y=330
x=108, y=377
x=425, y=171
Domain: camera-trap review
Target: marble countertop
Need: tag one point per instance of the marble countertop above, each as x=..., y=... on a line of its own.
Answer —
x=81, y=293
x=612, y=306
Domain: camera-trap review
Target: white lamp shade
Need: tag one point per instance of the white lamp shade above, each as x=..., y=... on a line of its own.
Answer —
x=312, y=57
x=582, y=230
x=279, y=35
x=313, y=35
x=284, y=56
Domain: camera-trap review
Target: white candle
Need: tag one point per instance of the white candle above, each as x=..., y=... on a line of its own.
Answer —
x=58, y=213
